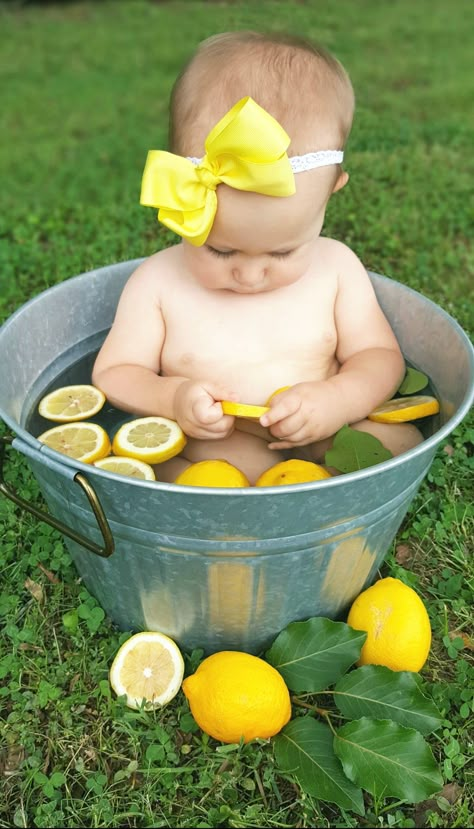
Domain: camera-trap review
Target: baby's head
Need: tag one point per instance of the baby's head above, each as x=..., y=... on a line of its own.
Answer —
x=234, y=233
x=304, y=87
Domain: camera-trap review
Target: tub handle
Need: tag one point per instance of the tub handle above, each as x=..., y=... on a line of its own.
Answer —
x=103, y=551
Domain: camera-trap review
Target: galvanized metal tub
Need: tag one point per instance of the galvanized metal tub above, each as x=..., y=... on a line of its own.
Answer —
x=218, y=568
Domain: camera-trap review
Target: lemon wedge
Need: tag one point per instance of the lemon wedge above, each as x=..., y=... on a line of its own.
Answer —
x=71, y=403
x=401, y=409
x=148, y=669
x=127, y=466
x=86, y=442
x=150, y=439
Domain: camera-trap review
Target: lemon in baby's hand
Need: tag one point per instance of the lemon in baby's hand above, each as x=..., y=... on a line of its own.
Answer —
x=71, y=403
x=218, y=473
x=86, y=442
x=274, y=394
x=233, y=694
x=397, y=624
x=151, y=439
x=148, y=669
x=292, y=471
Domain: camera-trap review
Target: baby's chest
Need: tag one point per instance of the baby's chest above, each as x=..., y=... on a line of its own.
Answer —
x=249, y=332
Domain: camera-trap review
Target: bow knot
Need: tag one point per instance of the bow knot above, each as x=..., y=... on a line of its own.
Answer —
x=207, y=176
x=245, y=150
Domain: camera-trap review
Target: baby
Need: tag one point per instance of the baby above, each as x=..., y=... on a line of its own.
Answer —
x=253, y=298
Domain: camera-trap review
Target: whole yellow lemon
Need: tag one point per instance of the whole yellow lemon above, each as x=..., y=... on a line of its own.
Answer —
x=292, y=471
x=212, y=473
x=234, y=694
x=397, y=624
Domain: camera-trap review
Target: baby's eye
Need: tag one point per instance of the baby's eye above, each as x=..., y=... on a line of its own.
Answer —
x=223, y=254
x=282, y=254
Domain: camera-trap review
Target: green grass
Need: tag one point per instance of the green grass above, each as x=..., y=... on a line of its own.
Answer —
x=84, y=96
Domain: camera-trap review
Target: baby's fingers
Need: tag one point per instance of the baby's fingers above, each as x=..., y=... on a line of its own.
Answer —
x=280, y=409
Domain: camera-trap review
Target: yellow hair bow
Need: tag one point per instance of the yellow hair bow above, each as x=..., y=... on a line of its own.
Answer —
x=245, y=150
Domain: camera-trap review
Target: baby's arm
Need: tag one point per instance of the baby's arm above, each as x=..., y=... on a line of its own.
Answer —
x=128, y=364
x=371, y=367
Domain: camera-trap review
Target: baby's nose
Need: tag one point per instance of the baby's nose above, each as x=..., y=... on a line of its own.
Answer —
x=249, y=274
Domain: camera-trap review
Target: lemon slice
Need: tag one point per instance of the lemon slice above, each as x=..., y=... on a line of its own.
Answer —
x=86, y=442
x=148, y=669
x=127, y=466
x=242, y=409
x=71, y=403
x=149, y=439
x=278, y=391
x=292, y=471
x=401, y=409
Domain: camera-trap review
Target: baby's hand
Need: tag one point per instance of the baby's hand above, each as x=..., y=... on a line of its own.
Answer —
x=199, y=412
x=303, y=414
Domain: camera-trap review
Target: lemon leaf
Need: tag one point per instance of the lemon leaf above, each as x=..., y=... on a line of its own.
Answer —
x=305, y=750
x=378, y=692
x=387, y=759
x=352, y=450
x=313, y=654
x=413, y=381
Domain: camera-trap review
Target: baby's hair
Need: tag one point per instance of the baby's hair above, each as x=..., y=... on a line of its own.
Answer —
x=301, y=84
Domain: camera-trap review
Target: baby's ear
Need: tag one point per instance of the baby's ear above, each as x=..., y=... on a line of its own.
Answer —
x=341, y=181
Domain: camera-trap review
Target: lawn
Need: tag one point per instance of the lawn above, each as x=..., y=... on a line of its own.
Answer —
x=85, y=89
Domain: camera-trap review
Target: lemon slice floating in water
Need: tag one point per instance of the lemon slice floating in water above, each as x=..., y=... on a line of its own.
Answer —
x=148, y=668
x=149, y=439
x=86, y=442
x=71, y=403
x=127, y=466
x=401, y=409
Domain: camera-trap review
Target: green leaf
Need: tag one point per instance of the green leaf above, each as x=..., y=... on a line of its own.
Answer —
x=305, y=750
x=413, y=381
x=352, y=450
x=387, y=759
x=377, y=692
x=312, y=655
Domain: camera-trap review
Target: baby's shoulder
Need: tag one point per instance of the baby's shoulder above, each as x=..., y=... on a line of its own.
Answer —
x=336, y=251
x=155, y=269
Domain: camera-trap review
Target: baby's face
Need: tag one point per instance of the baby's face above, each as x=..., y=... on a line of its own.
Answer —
x=261, y=243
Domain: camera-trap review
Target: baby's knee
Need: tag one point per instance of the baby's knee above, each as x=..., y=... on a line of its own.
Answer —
x=396, y=437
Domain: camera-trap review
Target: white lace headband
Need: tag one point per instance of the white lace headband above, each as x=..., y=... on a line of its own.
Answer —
x=301, y=163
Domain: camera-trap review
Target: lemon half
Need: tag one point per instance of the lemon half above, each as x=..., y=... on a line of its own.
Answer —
x=127, y=466
x=292, y=471
x=150, y=439
x=401, y=409
x=148, y=669
x=86, y=442
x=71, y=403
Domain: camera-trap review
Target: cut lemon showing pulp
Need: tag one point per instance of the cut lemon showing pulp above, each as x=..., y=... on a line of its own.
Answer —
x=401, y=409
x=71, y=403
x=149, y=439
x=242, y=409
x=292, y=471
x=86, y=442
x=127, y=466
x=148, y=669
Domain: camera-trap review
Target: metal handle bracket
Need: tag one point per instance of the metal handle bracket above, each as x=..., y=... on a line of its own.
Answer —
x=108, y=542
